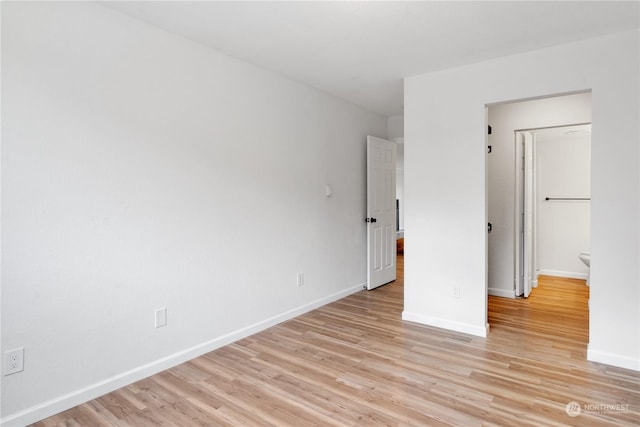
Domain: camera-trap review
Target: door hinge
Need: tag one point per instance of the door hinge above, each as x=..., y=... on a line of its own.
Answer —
x=489, y=130
x=489, y=149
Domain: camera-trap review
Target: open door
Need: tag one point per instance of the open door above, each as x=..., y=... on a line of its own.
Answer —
x=529, y=213
x=381, y=212
x=525, y=265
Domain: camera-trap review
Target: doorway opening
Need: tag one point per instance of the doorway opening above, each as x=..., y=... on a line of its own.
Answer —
x=527, y=163
x=553, y=211
x=399, y=195
x=536, y=120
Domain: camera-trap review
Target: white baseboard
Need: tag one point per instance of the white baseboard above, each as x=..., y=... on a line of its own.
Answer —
x=613, y=359
x=568, y=274
x=467, y=328
x=67, y=401
x=502, y=293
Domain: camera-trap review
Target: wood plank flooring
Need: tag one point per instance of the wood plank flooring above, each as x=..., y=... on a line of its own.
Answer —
x=356, y=363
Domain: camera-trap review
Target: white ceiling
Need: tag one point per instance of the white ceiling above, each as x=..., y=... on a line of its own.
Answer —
x=360, y=51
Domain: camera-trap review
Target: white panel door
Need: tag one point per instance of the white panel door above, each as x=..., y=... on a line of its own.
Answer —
x=529, y=196
x=381, y=212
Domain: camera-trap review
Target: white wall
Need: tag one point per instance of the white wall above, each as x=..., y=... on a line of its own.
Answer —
x=446, y=191
x=395, y=130
x=563, y=169
x=505, y=119
x=395, y=127
x=141, y=170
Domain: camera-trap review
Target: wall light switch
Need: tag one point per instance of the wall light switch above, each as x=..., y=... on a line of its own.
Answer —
x=328, y=191
x=161, y=317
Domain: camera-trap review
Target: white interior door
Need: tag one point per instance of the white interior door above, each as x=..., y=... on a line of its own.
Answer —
x=525, y=207
x=529, y=212
x=381, y=212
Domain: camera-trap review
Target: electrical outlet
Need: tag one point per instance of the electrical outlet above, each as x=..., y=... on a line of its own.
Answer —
x=14, y=361
x=161, y=317
x=300, y=279
x=455, y=292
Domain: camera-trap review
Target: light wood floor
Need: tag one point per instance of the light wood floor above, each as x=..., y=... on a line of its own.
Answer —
x=355, y=362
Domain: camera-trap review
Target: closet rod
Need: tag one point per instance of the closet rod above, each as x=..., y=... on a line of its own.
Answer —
x=567, y=198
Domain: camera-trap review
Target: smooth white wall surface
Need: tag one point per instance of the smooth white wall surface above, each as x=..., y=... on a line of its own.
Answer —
x=141, y=170
x=446, y=195
x=395, y=127
x=563, y=169
x=505, y=119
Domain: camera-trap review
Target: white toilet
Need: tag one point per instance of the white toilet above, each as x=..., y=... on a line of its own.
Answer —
x=585, y=257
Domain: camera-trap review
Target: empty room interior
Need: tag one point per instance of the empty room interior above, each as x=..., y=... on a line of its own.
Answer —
x=194, y=225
